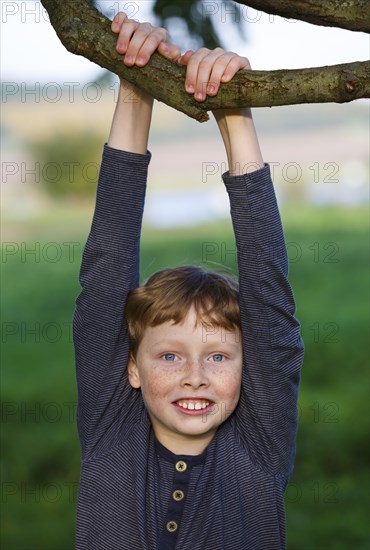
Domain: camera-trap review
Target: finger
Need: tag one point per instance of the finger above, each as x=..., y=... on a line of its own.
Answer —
x=184, y=59
x=126, y=32
x=171, y=51
x=218, y=70
x=204, y=73
x=235, y=64
x=192, y=69
x=144, y=43
x=118, y=19
x=136, y=42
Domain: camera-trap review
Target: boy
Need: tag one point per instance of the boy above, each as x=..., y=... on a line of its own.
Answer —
x=191, y=446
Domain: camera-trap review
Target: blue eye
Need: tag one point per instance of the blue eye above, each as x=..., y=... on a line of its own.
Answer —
x=218, y=357
x=169, y=356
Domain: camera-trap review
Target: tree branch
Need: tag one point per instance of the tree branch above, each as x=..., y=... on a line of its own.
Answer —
x=84, y=31
x=351, y=15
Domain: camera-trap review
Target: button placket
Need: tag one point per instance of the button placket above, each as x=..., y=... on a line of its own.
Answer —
x=177, y=502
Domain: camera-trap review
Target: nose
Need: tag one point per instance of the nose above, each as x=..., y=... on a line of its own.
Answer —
x=195, y=375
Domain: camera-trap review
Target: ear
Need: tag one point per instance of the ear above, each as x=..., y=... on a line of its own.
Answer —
x=133, y=373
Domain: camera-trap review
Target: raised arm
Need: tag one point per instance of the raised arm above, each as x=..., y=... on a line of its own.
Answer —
x=266, y=417
x=110, y=265
x=206, y=70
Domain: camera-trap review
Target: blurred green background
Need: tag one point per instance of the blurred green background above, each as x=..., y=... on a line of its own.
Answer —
x=327, y=497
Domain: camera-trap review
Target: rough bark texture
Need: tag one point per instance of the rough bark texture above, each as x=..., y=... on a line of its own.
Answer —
x=353, y=15
x=84, y=31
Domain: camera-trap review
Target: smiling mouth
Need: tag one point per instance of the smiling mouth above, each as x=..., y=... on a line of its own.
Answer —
x=194, y=407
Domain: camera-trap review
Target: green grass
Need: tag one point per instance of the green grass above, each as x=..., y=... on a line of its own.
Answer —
x=327, y=498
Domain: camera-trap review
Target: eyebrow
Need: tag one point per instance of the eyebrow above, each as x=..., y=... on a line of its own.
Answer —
x=211, y=345
x=165, y=342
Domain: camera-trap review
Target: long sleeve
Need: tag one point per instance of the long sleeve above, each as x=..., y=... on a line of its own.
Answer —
x=109, y=270
x=266, y=417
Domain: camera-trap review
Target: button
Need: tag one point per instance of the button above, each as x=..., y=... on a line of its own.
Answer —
x=181, y=466
x=178, y=495
x=171, y=526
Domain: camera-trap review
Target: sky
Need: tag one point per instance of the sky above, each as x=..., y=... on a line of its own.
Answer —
x=32, y=52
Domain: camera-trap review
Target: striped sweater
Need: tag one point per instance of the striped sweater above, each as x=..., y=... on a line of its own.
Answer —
x=135, y=494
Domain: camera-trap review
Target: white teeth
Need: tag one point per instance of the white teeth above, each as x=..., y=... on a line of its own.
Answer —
x=191, y=405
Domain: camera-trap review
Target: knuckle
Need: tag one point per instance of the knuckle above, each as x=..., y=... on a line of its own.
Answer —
x=152, y=41
x=129, y=26
x=160, y=33
x=203, y=63
x=202, y=52
x=145, y=27
x=141, y=35
x=234, y=62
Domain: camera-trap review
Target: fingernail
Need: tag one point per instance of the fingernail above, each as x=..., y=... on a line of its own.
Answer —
x=199, y=95
x=211, y=89
x=128, y=59
x=189, y=88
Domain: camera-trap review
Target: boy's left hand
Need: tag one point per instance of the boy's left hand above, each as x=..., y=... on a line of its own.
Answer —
x=206, y=69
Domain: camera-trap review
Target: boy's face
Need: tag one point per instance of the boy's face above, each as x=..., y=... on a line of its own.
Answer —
x=190, y=377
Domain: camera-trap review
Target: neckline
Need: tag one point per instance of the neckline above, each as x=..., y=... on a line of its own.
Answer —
x=191, y=460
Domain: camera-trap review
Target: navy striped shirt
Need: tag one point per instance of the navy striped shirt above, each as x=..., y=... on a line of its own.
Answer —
x=134, y=494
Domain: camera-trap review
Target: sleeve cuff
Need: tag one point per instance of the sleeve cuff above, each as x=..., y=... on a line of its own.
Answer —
x=120, y=156
x=255, y=182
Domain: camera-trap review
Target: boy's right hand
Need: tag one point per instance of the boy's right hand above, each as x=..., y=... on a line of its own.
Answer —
x=138, y=41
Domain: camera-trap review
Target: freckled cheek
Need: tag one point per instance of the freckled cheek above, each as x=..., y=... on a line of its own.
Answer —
x=229, y=385
x=159, y=383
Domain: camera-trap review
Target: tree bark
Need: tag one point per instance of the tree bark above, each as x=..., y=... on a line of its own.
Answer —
x=84, y=31
x=351, y=15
